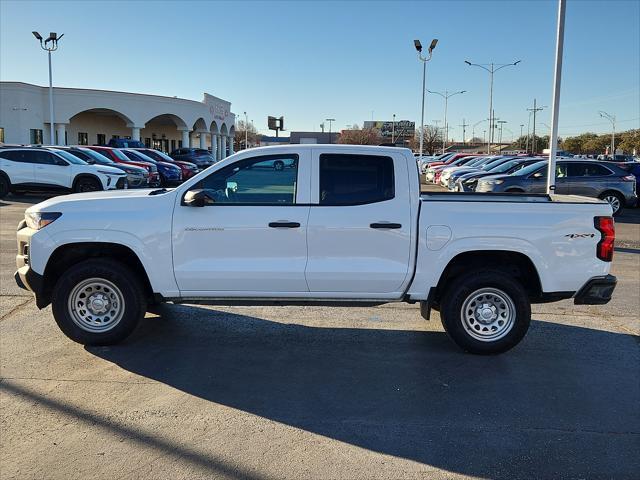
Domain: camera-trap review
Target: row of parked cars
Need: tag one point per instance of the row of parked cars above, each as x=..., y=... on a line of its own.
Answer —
x=125, y=164
x=617, y=182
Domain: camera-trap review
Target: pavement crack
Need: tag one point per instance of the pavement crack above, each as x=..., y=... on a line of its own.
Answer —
x=16, y=308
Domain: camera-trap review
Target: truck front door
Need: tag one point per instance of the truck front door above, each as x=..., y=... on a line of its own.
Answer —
x=359, y=233
x=250, y=238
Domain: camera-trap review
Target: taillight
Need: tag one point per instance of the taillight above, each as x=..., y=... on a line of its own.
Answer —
x=628, y=178
x=607, y=229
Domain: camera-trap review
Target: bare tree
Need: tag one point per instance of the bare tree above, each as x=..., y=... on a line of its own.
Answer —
x=365, y=136
x=432, y=140
x=244, y=130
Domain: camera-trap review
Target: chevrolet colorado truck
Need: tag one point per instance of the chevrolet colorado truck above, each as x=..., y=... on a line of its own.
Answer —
x=342, y=225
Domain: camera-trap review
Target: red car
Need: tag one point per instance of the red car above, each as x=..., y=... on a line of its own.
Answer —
x=451, y=159
x=118, y=157
x=188, y=169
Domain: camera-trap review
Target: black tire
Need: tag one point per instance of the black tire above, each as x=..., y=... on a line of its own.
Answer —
x=130, y=289
x=607, y=195
x=278, y=165
x=466, y=287
x=5, y=186
x=86, y=184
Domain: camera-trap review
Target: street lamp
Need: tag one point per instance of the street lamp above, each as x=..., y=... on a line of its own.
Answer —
x=473, y=129
x=612, y=119
x=52, y=47
x=446, y=96
x=393, y=130
x=424, y=60
x=246, y=131
x=501, y=122
x=491, y=68
x=330, y=120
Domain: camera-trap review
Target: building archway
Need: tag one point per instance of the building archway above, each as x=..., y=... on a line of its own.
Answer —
x=96, y=126
x=165, y=132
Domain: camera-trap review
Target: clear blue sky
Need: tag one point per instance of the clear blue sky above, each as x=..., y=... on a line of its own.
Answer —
x=313, y=60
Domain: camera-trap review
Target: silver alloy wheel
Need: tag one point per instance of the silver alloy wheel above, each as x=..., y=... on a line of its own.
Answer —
x=96, y=305
x=488, y=314
x=613, y=201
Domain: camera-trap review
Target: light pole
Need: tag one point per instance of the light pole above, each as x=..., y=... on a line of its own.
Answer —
x=491, y=68
x=393, y=130
x=612, y=119
x=501, y=122
x=424, y=60
x=446, y=96
x=330, y=120
x=54, y=39
x=246, y=131
x=473, y=129
x=520, y=139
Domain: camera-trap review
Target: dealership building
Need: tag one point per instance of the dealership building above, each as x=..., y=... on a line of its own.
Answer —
x=93, y=117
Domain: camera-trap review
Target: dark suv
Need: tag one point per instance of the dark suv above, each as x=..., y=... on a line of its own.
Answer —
x=125, y=143
x=200, y=156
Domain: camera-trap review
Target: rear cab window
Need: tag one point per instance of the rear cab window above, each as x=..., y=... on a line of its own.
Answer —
x=355, y=179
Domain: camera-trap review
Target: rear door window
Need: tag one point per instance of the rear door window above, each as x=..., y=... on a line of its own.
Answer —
x=347, y=179
x=588, y=170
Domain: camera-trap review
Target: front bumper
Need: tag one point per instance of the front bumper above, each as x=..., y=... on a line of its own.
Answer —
x=29, y=280
x=597, y=291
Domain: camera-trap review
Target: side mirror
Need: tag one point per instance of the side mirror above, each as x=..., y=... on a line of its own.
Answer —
x=90, y=161
x=537, y=175
x=197, y=198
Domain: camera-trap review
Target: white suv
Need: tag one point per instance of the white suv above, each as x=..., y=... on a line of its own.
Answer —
x=29, y=168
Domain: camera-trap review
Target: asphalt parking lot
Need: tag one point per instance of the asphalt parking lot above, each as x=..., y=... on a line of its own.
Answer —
x=311, y=392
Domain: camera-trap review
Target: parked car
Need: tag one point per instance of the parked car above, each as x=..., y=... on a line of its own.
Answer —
x=447, y=172
x=433, y=168
x=117, y=156
x=188, y=169
x=125, y=143
x=199, y=156
x=573, y=177
x=361, y=233
x=28, y=168
x=467, y=181
x=170, y=174
x=137, y=177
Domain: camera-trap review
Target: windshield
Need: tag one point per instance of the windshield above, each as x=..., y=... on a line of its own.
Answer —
x=97, y=157
x=119, y=155
x=530, y=169
x=503, y=167
x=138, y=156
x=69, y=157
x=157, y=155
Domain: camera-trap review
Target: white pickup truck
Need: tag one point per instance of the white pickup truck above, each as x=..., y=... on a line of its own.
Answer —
x=339, y=225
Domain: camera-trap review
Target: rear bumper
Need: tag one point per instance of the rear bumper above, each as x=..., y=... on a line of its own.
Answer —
x=597, y=291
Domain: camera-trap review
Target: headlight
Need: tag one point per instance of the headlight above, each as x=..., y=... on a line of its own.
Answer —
x=494, y=182
x=38, y=220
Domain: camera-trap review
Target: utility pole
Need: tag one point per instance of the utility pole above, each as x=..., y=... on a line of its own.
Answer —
x=520, y=139
x=393, y=130
x=464, y=130
x=330, y=120
x=534, y=110
x=501, y=122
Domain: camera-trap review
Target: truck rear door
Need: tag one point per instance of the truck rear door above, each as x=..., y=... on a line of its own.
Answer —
x=359, y=229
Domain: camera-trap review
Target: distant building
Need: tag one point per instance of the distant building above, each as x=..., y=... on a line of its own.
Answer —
x=314, y=137
x=265, y=141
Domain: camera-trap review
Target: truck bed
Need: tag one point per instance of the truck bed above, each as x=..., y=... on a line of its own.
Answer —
x=504, y=197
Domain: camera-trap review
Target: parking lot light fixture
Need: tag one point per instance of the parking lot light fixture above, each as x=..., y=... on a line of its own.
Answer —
x=50, y=45
x=446, y=96
x=612, y=119
x=492, y=68
x=424, y=61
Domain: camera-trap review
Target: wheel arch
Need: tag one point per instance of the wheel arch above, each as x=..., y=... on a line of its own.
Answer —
x=516, y=264
x=70, y=254
x=82, y=176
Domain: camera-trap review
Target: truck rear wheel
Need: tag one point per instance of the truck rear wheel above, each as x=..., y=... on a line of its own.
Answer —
x=98, y=302
x=485, y=312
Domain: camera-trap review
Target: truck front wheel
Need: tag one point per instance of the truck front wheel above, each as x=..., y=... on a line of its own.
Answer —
x=485, y=312
x=98, y=302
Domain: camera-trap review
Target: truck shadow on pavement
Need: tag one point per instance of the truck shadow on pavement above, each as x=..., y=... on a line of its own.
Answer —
x=563, y=403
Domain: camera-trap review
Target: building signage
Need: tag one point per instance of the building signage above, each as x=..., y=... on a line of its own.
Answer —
x=403, y=128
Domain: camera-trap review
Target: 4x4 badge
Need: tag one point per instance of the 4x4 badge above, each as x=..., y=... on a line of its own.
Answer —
x=580, y=235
